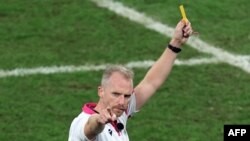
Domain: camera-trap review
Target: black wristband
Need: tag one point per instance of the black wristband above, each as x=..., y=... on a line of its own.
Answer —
x=174, y=49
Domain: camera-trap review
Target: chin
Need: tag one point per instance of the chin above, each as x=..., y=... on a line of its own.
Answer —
x=118, y=113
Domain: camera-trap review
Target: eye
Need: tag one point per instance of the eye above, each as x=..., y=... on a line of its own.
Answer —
x=127, y=96
x=116, y=94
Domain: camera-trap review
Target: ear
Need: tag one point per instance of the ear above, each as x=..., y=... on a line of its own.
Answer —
x=100, y=91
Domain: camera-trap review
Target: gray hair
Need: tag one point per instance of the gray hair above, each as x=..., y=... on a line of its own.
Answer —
x=126, y=72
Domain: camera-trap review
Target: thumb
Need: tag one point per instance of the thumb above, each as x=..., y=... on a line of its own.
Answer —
x=181, y=24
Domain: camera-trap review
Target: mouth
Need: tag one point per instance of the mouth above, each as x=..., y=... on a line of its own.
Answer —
x=119, y=110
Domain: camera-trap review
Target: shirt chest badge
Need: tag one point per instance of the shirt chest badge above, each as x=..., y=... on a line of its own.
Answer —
x=110, y=132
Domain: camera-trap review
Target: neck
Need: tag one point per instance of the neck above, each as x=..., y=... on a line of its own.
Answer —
x=98, y=107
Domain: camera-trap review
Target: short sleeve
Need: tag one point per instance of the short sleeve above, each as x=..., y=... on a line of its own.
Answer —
x=77, y=128
x=132, y=106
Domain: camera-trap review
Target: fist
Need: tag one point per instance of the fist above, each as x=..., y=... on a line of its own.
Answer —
x=106, y=116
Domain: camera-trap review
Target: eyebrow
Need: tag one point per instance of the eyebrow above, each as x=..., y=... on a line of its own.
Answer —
x=121, y=93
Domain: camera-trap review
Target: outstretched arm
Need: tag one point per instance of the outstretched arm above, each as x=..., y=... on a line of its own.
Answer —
x=96, y=122
x=157, y=74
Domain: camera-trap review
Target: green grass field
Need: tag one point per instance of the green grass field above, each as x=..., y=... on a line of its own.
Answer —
x=192, y=105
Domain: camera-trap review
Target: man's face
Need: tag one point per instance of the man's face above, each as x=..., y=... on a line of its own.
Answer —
x=117, y=93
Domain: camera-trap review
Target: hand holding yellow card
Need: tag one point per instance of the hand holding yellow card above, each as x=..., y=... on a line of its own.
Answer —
x=184, y=17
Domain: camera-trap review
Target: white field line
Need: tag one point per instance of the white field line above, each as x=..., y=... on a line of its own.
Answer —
x=219, y=54
x=239, y=61
x=85, y=68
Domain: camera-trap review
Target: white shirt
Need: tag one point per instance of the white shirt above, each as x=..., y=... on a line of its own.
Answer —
x=109, y=133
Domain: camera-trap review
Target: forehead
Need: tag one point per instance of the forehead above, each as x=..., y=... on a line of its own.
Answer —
x=118, y=82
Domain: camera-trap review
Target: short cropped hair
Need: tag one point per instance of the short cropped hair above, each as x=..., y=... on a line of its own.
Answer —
x=126, y=72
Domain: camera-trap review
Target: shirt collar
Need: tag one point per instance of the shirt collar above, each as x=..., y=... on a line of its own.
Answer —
x=88, y=108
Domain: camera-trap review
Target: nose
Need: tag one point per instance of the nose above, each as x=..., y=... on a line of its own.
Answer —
x=121, y=100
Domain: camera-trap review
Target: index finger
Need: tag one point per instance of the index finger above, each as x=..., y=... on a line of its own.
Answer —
x=109, y=110
x=113, y=116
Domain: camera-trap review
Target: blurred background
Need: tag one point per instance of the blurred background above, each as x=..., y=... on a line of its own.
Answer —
x=50, y=51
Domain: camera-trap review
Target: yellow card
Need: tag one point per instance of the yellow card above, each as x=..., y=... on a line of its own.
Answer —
x=183, y=13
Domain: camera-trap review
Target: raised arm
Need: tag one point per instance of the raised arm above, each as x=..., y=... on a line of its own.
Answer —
x=158, y=73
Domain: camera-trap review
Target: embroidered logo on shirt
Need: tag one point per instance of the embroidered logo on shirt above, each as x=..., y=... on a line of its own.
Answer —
x=110, y=132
